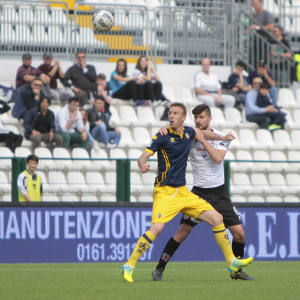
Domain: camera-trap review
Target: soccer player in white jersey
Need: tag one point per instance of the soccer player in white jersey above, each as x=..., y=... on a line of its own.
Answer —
x=207, y=159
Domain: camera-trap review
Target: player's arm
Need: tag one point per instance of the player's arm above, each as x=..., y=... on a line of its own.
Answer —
x=216, y=155
x=142, y=161
x=22, y=186
x=210, y=135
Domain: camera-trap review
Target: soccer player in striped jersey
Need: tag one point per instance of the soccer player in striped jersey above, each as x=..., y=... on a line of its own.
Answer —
x=171, y=195
x=207, y=157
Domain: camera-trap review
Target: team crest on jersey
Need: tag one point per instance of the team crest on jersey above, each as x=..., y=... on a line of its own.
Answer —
x=159, y=215
x=187, y=135
x=172, y=140
x=155, y=137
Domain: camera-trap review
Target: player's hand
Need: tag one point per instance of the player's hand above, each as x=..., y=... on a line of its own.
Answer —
x=144, y=167
x=51, y=136
x=271, y=108
x=229, y=136
x=199, y=135
x=163, y=131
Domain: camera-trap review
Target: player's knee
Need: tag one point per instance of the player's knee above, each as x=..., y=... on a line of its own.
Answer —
x=157, y=228
x=239, y=237
x=218, y=219
x=182, y=233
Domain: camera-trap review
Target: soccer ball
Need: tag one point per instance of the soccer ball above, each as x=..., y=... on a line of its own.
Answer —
x=103, y=21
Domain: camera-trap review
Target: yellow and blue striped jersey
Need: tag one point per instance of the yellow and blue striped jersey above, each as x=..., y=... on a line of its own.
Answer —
x=172, y=155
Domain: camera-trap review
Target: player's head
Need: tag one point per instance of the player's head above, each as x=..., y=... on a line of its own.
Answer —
x=142, y=63
x=101, y=79
x=202, y=116
x=27, y=59
x=32, y=163
x=177, y=115
x=47, y=58
x=44, y=103
x=264, y=89
x=121, y=67
x=80, y=56
x=257, y=81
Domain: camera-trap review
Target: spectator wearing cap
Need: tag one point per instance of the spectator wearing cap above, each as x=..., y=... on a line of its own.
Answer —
x=267, y=77
x=39, y=126
x=27, y=73
x=81, y=77
x=54, y=72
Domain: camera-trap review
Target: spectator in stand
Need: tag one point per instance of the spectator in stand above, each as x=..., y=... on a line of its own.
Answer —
x=260, y=110
x=104, y=92
x=208, y=88
x=39, y=126
x=27, y=73
x=267, y=77
x=70, y=125
x=54, y=72
x=238, y=82
x=11, y=140
x=278, y=49
x=100, y=129
x=262, y=17
x=29, y=97
x=122, y=86
x=149, y=79
x=87, y=127
x=83, y=78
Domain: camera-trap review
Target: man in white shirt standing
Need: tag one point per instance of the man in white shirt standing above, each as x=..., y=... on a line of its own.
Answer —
x=70, y=125
x=207, y=159
x=208, y=88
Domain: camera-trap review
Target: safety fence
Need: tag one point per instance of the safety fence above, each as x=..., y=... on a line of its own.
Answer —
x=119, y=180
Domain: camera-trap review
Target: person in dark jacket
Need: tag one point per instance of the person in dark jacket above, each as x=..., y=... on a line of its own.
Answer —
x=39, y=125
x=83, y=78
x=99, y=126
x=11, y=140
x=29, y=97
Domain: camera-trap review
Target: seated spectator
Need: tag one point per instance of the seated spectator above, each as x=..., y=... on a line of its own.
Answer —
x=70, y=125
x=122, y=86
x=277, y=48
x=262, y=72
x=54, y=72
x=100, y=129
x=208, y=88
x=39, y=126
x=238, y=82
x=149, y=79
x=104, y=92
x=82, y=77
x=11, y=140
x=87, y=127
x=260, y=110
x=29, y=97
x=27, y=73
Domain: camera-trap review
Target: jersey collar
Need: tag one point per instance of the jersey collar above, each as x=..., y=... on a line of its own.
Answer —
x=174, y=132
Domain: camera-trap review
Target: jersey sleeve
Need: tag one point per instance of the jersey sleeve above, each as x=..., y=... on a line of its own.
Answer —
x=223, y=145
x=22, y=184
x=155, y=144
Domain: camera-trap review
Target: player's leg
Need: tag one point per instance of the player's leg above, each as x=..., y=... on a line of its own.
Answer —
x=141, y=247
x=215, y=219
x=238, y=246
x=170, y=248
x=165, y=208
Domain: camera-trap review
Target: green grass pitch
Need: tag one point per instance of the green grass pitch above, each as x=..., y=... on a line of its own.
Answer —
x=207, y=281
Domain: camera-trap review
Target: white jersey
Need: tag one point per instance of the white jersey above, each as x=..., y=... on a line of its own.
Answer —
x=206, y=172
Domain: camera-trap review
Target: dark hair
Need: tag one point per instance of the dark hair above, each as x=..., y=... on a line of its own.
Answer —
x=179, y=104
x=32, y=157
x=124, y=72
x=241, y=64
x=45, y=98
x=138, y=64
x=80, y=51
x=99, y=98
x=264, y=85
x=101, y=76
x=73, y=99
x=201, y=108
